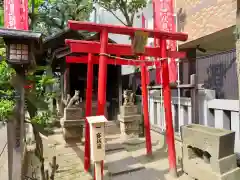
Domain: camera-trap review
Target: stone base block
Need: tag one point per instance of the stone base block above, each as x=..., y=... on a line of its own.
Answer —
x=72, y=123
x=219, y=143
x=128, y=110
x=73, y=113
x=224, y=165
x=219, y=166
x=73, y=133
x=129, y=120
x=136, y=117
x=202, y=171
x=129, y=129
x=72, y=129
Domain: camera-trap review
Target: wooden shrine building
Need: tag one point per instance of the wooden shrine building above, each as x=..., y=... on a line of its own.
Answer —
x=74, y=75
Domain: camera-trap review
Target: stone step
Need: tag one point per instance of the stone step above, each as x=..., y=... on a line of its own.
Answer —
x=119, y=162
x=142, y=174
x=113, y=146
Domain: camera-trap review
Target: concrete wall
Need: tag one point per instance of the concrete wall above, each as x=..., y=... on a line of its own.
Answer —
x=199, y=18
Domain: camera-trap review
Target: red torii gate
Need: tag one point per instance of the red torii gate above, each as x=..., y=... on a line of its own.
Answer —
x=104, y=49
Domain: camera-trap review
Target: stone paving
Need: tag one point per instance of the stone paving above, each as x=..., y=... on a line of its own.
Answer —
x=3, y=152
x=123, y=161
x=133, y=156
x=4, y=163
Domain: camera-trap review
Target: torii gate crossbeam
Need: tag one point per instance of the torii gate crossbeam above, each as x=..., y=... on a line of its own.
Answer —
x=104, y=48
x=80, y=46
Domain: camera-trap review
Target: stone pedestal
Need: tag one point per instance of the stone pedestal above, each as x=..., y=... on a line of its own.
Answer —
x=129, y=122
x=72, y=123
x=208, y=153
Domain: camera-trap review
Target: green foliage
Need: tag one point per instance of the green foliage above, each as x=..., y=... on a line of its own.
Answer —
x=52, y=16
x=1, y=16
x=37, y=96
x=43, y=119
x=6, y=74
x=136, y=69
x=6, y=90
x=6, y=108
x=1, y=13
x=129, y=8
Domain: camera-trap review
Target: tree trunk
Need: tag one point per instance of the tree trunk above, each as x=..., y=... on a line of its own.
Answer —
x=31, y=108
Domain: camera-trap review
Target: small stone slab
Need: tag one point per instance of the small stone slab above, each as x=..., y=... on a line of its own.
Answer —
x=114, y=147
x=180, y=177
x=131, y=118
x=73, y=123
x=143, y=174
x=120, y=162
x=134, y=141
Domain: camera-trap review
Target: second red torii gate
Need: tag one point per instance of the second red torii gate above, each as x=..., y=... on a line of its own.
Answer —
x=93, y=47
x=103, y=49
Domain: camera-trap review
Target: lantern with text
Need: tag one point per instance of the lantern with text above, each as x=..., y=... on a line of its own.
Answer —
x=20, y=46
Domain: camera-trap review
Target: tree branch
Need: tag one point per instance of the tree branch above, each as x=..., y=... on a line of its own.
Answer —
x=124, y=8
x=115, y=16
x=132, y=18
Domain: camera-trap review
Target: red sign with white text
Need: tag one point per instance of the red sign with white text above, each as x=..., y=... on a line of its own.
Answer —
x=16, y=14
x=144, y=26
x=11, y=14
x=163, y=13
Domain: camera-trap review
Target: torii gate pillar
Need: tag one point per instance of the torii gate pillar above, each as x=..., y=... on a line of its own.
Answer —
x=102, y=73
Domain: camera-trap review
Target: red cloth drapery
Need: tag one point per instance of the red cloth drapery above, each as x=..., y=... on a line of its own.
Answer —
x=163, y=18
x=144, y=26
x=16, y=14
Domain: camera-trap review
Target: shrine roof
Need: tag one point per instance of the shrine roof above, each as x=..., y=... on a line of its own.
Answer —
x=20, y=34
x=15, y=35
x=59, y=49
x=57, y=40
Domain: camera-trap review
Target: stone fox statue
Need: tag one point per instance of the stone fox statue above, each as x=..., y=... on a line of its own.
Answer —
x=125, y=97
x=128, y=97
x=132, y=98
x=74, y=100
